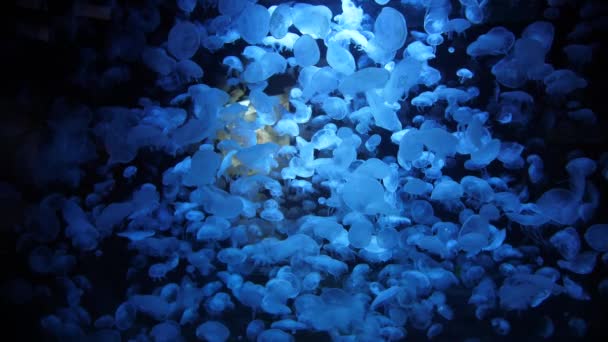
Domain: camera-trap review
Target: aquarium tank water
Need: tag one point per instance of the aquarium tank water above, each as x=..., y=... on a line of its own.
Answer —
x=354, y=170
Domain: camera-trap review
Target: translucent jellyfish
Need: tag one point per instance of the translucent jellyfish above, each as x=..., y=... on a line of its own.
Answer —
x=253, y=52
x=579, y=169
x=289, y=325
x=254, y=73
x=306, y=51
x=436, y=18
x=340, y=59
x=312, y=20
x=254, y=328
x=560, y=205
x=458, y=25
x=402, y=78
x=575, y=290
x=416, y=186
x=233, y=63
x=477, y=189
x=424, y=99
x=446, y=190
x=274, y=335
x=583, y=263
x=203, y=168
x=363, y=80
x=410, y=147
x=287, y=127
x=150, y=305
x=189, y=71
x=158, y=60
x=429, y=76
x=231, y=256
x=327, y=265
x=272, y=64
x=474, y=12
x=439, y=141
x=422, y=211
x=385, y=296
x=563, y=81
x=434, y=40
x=231, y=7
x=360, y=233
x=124, y=316
x=184, y=40
x=166, y=331
x=501, y=326
x=311, y=281
x=212, y=331
x=253, y=23
x=530, y=56
x=521, y=291
x=364, y=194
x=420, y=51
x=271, y=211
x=567, y=243
x=510, y=155
x=280, y=21
x=214, y=228
x=373, y=142
x=597, y=237
x=497, y=41
x=464, y=74
x=384, y=115
x=474, y=235
x=390, y=29
x=351, y=16
x=325, y=139
x=541, y=31
x=335, y=107
x=508, y=72
x=516, y=107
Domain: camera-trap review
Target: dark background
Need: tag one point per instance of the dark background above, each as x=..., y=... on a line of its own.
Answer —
x=68, y=63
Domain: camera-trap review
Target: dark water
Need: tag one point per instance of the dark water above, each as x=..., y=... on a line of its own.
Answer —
x=37, y=73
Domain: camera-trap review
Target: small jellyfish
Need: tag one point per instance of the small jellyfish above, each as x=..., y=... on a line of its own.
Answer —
x=434, y=330
x=129, y=172
x=233, y=63
x=464, y=74
x=425, y=99
x=458, y=26
x=372, y=143
x=501, y=326
x=434, y=40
